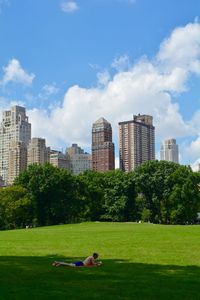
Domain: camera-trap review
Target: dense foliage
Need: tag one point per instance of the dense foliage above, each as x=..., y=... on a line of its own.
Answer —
x=157, y=191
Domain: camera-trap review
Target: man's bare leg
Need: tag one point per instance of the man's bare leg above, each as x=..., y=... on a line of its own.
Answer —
x=61, y=263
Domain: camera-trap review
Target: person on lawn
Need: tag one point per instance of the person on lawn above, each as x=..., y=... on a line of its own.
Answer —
x=90, y=261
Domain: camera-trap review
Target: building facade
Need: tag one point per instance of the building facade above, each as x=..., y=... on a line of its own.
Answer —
x=80, y=161
x=136, y=142
x=17, y=160
x=2, y=183
x=169, y=151
x=103, y=150
x=74, y=149
x=59, y=159
x=38, y=152
x=14, y=127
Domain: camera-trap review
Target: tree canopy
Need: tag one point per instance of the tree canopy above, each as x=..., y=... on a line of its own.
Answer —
x=157, y=191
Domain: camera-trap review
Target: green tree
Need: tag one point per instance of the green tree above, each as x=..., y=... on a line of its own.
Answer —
x=108, y=196
x=184, y=199
x=52, y=191
x=146, y=215
x=169, y=191
x=153, y=181
x=92, y=192
x=119, y=196
x=15, y=207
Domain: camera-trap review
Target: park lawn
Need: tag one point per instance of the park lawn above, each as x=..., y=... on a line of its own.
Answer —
x=140, y=261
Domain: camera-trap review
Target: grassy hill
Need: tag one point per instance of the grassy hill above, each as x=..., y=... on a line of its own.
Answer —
x=140, y=261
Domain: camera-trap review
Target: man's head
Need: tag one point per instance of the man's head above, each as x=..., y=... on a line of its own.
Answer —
x=95, y=255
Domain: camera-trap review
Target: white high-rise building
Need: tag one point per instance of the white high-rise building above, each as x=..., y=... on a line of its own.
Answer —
x=80, y=161
x=169, y=151
x=14, y=127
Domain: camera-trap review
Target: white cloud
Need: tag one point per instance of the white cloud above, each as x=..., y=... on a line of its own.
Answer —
x=193, y=150
x=13, y=72
x=38, y=117
x=196, y=165
x=69, y=6
x=48, y=90
x=182, y=49
x=94, y=66
x=121, y=64
x=103, y=77
x=147, y=87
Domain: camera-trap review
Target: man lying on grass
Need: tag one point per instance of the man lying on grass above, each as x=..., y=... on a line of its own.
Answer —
x=90, y=261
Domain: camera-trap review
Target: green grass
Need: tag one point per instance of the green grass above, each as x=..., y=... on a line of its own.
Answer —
x=140, y=261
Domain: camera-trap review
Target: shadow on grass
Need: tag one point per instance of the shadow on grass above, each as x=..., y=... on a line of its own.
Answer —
x=35, y=278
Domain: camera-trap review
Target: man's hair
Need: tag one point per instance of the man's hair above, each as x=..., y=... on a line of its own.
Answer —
x=95, y=255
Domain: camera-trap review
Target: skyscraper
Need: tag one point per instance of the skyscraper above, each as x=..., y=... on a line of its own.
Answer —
x=136, y=142
x=169, y=151
x=103, y=157
x=17, y=160
x=38, y=152
x=14, y=126
x=80, y=161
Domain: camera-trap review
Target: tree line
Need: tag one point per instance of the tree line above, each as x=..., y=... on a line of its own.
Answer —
x=157, y=191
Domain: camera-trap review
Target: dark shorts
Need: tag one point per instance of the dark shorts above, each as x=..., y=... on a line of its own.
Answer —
x=78, y=263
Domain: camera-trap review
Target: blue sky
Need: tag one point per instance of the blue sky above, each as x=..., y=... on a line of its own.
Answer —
x=71, y=62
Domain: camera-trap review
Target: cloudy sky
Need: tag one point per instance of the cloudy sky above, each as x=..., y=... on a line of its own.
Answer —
x=72, y=62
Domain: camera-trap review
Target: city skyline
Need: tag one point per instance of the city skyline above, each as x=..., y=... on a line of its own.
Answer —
x=124, y=58
x=136, y=145
x=19, y=150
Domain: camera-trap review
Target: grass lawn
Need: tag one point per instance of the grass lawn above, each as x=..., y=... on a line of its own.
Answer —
x=140, y=261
